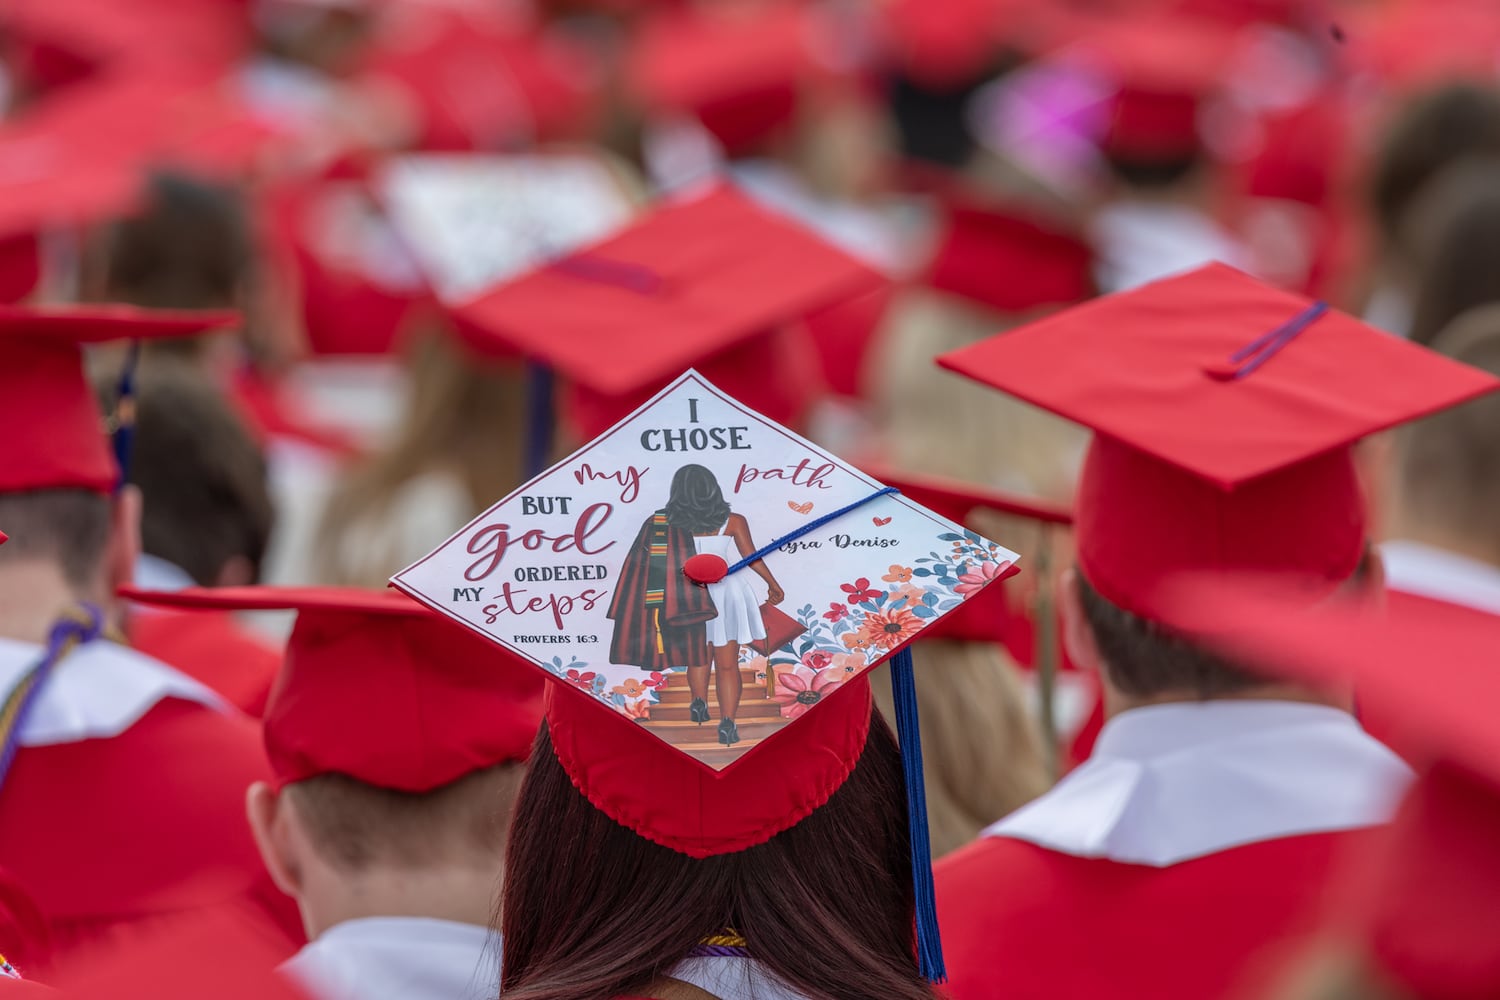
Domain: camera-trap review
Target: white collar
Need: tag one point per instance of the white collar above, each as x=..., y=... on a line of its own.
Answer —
x=155, y=573
x=1169, y=783
x=1414, y=568
x=99, y=690
x=733, y=977
x=410, y=958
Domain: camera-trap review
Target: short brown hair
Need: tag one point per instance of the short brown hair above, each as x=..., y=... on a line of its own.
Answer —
x=1448, y=465
x=69, y=527
x=1141, y=659
x=354, y=825
x=202, y=476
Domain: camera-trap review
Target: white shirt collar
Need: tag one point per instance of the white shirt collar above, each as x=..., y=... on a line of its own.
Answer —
x=155, y=573
x=730, y=977
x=99, y=690
x=1414, y=568
x=1169, y=783
x=400, y=958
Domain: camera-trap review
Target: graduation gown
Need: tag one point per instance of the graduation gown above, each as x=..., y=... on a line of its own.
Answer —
x=210, y=647
x=125, y=802
x=685, y=607
x=1188, y=853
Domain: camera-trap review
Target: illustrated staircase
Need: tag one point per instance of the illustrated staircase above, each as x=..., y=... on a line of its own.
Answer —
x=757, y=718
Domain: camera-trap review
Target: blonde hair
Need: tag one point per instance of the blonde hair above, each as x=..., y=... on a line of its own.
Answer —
x=981, y=750
x=464, y=425
x=1336, y=972
x=935, y=422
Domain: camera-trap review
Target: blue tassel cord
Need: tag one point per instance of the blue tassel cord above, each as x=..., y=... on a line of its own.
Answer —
x=122, y=436
x=540, y=384
x=807, y=528
x=929, y=941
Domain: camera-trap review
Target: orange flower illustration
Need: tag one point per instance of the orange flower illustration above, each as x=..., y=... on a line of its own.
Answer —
x=856, y=640
x=889, y=629
x=898, y=574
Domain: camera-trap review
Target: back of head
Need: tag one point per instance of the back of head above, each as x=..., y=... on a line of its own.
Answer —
x=208, y=507
x=358, y=827
x=1454, y=232
x=1448, y=465
x=188, y=249
x=64, y=528
x=1435, y=130
x=592, y=910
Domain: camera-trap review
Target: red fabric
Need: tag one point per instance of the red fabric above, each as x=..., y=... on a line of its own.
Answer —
x=664, y=795
x=1020, y=922
x=271, y=413
x=214, y=649
x=56, y=437
x=842, y=336
x=1189, y=471
x=687, y=282
x=479, y=83
x=20, y=266
x=738, y=69
x=25, y=940
x=152, y=825
x=379, y=688
x=1010, y=260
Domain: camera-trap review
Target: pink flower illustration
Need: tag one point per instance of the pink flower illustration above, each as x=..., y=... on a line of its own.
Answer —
x=656, y=680
x=637, y=709
x=817, y=660
x=835, y=612
x=848, y=663
x=907, y=596
x=800, y=688
x=583, y=680
x=974, y=580
x=859, y=591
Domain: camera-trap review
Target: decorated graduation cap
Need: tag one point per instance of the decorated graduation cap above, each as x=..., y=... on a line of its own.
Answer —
x=377, y=688
x=1224, y=411
x=693, y=535
x=1425, y=908
x=59, y=439
x=698, y=278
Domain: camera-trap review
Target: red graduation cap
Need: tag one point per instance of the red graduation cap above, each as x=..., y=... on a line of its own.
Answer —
x=1224, y=412
x=376, y=687
x=1425, y=908
x=57, y=435
x=737, y=68
x=694, y=280
x=1010, y=259
x=1165, y=67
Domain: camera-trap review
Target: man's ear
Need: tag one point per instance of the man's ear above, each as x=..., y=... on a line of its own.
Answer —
x=270, y=824
x=1078, y=638
x=124, y=546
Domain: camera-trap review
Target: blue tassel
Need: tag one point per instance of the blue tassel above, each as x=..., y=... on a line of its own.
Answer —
x=929, y=940
x=539, y=416
x=123, y=436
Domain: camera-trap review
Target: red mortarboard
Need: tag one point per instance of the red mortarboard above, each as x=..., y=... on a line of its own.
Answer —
x=1427, y=911
x=687, y=282
x=736, y=68
x=606, y=519
x=1193, y=467
x=1164, y=67
x=376, y=687
x=57, y=436
x=1010, y=260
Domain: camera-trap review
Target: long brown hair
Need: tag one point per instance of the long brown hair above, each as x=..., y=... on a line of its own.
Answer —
x=591, y=911
x=464, y=418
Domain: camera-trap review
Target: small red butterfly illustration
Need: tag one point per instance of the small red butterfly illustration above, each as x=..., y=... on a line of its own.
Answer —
x=881, y=522
x=802, y=508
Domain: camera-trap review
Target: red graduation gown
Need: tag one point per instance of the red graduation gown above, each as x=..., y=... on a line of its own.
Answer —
x=212, y=648
x=111, y=835
x=1020, y=921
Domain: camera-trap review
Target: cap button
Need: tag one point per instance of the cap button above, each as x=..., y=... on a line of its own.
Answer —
x=705, y=568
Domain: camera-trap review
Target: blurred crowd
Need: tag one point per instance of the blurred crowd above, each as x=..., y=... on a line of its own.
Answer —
x=364, y=187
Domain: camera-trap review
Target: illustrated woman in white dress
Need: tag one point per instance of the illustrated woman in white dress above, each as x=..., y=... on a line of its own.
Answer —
x=697, y=504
